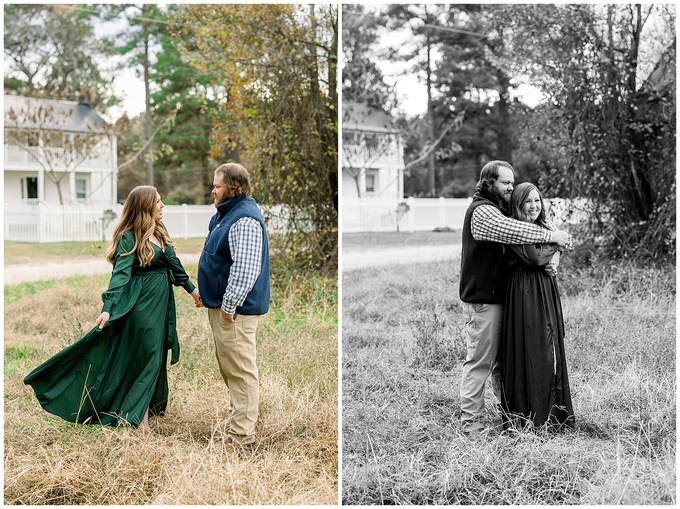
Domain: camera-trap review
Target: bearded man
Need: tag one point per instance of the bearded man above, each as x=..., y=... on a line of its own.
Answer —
x=233, y=281
x=483, y=278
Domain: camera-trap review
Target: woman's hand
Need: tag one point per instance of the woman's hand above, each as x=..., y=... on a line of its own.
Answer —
x=197, y=298
x=551, y=268
x=103, y=318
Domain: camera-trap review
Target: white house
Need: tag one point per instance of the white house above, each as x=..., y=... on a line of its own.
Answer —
x=58, y=152
x=372, y=154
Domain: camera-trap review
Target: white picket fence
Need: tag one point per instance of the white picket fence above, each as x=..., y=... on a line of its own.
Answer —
x=39, y=222
x=412, y=214
x=427, y=214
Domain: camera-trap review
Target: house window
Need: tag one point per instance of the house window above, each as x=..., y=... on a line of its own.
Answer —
x=56, y=140
x=81, y=189
x=349, y=138
x=29, y=188
x=371, y=182
x=378, y=145
x=11, y=135
x=32, y=139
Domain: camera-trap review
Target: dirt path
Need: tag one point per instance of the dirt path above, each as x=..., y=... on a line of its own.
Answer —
x=358, y=258
x=352, y=259
x=37, y=271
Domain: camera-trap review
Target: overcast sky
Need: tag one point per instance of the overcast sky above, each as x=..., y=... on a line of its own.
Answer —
x=411, y=91
x=126, y=84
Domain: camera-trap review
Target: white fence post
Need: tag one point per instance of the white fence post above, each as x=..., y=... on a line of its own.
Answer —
x=41, y=223
x=442, y=212
x=411, y=214
x=185, y=221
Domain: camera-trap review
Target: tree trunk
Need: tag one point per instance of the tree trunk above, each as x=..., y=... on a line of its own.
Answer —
x=356, y=181
x=333, y=99
x=147, y=98
x=333, y=67
x=503, y=139
x=430, y=114
x=639, y=166
x=314, y=65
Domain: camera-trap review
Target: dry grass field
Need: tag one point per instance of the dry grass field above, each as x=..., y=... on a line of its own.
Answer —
x=402, y=351
x=183, y=460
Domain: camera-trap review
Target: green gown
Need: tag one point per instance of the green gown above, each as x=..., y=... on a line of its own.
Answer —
x=112, y=376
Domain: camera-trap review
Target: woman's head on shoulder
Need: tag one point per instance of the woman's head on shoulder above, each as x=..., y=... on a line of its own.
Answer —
x=526, y=204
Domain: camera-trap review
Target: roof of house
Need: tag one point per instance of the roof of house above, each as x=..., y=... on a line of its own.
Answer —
x=49, y=114
x=365, y=118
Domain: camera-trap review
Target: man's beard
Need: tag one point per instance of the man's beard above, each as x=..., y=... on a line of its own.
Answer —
x=501, y=196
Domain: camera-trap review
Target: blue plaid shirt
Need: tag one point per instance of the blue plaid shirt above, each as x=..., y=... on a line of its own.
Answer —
x=245, y=244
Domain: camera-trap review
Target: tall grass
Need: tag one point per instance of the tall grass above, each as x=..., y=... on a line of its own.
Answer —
x=403, y=348
x=183, y=460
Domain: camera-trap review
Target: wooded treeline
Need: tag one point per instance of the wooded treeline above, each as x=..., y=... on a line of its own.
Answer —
x=604, y=129
x=252, y=83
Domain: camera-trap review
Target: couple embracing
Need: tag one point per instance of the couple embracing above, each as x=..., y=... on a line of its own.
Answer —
x=514, y=323
x=117, y=373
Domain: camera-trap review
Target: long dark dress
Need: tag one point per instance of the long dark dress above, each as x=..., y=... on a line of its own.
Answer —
x=112, y=376
x=535, y=385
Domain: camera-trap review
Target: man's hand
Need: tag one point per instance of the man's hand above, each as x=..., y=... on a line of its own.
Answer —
x=562, y=238
x=229, y=318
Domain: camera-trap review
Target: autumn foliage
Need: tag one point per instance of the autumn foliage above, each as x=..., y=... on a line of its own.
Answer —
x=274, y=68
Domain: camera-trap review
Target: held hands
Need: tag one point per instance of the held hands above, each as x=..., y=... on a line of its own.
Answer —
x=551, y=268
x=197, y=298
x=103, y=318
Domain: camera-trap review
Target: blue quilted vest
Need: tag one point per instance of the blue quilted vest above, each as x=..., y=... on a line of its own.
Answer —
x=216, y=261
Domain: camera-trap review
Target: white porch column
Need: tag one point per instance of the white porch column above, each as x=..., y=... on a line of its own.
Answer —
x=400, y=182
x=114, y=170
x=72, y=186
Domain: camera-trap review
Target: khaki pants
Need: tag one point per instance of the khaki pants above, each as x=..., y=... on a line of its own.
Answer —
x=483, y=327
x=236, y=356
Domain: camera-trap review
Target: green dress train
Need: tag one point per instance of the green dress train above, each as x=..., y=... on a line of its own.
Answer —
x=112, y=376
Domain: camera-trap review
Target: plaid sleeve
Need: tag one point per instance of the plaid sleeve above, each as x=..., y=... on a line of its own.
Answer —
x=489, y=224
x=245, y=243
x=551, y=225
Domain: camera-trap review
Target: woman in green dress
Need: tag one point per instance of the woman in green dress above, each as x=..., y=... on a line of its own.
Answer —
x=117, y=373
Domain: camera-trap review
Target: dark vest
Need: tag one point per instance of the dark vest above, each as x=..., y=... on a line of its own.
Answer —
x=483, y=269
x=216, y=261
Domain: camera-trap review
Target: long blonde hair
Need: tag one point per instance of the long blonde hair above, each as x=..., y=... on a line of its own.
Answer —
x=138, y=217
